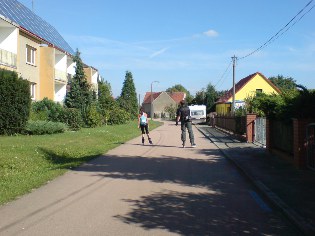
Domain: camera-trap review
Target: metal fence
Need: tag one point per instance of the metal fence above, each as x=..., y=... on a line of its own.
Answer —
x=282, y=136
x=260, y=130
x=235, y=124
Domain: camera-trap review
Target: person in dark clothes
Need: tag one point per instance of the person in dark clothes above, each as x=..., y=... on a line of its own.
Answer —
x=183, y=115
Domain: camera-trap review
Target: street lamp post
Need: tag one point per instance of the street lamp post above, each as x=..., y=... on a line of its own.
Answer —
x=151, y=110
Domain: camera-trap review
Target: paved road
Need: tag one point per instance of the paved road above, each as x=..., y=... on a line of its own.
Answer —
x=147, y=190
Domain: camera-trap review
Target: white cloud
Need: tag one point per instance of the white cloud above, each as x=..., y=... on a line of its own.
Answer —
x=211, y=33
x=158, y=52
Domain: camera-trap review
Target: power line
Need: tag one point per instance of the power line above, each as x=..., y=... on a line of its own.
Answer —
x=224, y=75
x=282, y=30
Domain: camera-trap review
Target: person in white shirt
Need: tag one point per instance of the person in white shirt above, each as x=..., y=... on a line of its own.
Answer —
x=143, y=124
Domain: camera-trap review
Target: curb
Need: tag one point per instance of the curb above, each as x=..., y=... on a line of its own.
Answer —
x=305, y=227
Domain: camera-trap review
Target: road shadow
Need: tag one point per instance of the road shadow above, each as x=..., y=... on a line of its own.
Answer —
x=216, y=210
x=198, y=214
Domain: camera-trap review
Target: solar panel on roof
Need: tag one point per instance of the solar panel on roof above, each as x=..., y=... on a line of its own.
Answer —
x=18, y=13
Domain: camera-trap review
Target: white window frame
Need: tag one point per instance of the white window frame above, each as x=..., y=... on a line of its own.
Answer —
x=30, y=55
x=33, y=91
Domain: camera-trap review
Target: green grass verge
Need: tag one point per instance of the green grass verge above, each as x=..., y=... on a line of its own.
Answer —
x=27, y=162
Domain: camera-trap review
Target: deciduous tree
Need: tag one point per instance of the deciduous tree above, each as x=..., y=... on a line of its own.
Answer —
x=285, y=84
x=181, y=88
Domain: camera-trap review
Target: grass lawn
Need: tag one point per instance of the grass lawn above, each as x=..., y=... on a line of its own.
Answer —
x=27, y=162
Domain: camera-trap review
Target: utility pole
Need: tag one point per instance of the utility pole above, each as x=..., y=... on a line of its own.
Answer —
x=139, y=101
x=234, y=58
x=151, y=109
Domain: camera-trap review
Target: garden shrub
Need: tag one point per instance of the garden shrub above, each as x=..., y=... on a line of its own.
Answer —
x=40, y=127
x=15, y=100
x=303, y=105
x=118, y=116
x=38, y=115
x=94, y=118
x=72, y=117
x=288, y=105
x=53, y=109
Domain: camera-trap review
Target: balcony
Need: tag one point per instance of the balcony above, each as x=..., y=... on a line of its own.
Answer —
x=8, y=58
x=61, y=76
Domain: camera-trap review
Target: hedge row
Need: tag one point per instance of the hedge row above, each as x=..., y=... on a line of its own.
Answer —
x=15, y=100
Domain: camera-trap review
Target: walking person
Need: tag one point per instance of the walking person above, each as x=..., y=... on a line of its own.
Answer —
x=143, y=124
x=183, y=115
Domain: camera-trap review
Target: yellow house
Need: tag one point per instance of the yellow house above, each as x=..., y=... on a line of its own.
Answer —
x=92, y=76
x=37, y=52
x=246, y=87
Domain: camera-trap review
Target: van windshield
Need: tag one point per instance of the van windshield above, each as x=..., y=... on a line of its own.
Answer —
x=197, y=113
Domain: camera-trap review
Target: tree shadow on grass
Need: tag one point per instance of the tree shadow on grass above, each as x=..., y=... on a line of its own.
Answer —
x=64, y=161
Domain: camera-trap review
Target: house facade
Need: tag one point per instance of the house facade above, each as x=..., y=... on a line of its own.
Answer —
x=8, y=44
x=92, y=76
x=246, y=87
x=161, y=100
x=37, y=52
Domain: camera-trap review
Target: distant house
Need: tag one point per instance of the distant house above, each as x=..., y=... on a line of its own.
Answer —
x=160, y=100
x=246, y=87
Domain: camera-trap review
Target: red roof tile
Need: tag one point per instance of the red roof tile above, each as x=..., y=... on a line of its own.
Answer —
x=176, y=96
x=147, y=97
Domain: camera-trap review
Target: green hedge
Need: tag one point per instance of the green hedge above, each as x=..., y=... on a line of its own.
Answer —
x=118, y=116
x=72, y=117
x=46, y=106
x=15, y=100
x=44, y=127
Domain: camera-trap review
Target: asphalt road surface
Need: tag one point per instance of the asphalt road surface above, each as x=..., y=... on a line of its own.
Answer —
x=159, y=189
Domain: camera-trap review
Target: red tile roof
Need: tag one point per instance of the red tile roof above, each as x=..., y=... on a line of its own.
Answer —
x=147, y=97
x=241, y=84
x=176, y=96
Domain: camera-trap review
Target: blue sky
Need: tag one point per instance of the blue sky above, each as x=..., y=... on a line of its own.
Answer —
x=188, y=42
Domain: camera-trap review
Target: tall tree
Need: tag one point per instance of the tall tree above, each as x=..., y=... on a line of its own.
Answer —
x=211, y=97
x=79, y=95
x=285, y=84
x=181, y=88
x=105, y=96
x=106, y=102
x=128, y=97
x=200, y=97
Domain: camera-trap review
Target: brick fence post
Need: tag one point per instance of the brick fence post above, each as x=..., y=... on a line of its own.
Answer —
x=250, y=127
x=299, y=141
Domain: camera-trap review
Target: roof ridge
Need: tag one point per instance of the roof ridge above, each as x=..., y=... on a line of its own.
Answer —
x=34, y=24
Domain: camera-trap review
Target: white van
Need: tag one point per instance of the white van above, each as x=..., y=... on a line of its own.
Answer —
x=198, y=113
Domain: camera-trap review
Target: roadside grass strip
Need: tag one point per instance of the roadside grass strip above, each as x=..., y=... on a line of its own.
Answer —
x=27, y=162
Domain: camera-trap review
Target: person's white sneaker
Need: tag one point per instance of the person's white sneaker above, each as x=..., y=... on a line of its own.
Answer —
x=193, y=145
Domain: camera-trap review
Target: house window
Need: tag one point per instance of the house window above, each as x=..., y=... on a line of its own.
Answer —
x=33, y=87
x=30, y=55
x=259, y=90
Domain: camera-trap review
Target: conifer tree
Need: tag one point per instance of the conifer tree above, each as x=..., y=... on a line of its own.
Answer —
x=79, y=95
x=105, y=97
x=128, y=97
